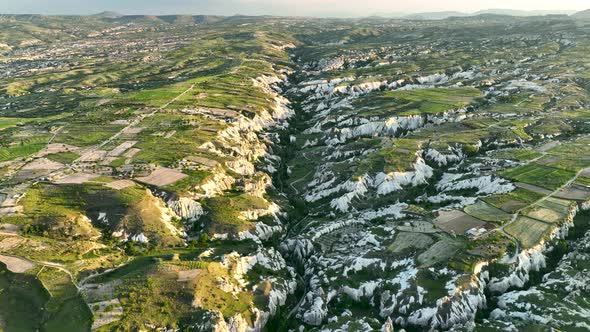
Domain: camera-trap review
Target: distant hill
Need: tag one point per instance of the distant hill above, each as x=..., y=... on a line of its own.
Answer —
x=169, y=19
x=582, y=14
x=435, y=15
x=512, y=12
x=503, y=12
x=108, y=14
x=188, y=19
x=145, y=19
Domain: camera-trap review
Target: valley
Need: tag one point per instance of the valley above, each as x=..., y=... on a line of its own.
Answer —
x=204, y=173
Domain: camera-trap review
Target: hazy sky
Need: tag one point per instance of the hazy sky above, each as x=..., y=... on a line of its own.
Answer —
x=277, y=7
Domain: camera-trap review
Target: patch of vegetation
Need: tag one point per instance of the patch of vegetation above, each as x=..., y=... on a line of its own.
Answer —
x=513, y=201
x=416, y=102
x=516, y=154
x=529, y=232
x=441, y=251
x=224, y=213
x=63, y=157
x=22, y=301
x=486, y=212
x=60, y=211
x=66, y=309
x=20, y=150
x=543, y=176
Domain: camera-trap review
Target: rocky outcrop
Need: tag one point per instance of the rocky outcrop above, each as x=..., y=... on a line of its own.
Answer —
x=297, y=249
x=318, y=310
x=387, y=183
x=186, y=208
x=442, y=159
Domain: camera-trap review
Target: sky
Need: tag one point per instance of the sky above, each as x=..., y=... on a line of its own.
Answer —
x=346, y=8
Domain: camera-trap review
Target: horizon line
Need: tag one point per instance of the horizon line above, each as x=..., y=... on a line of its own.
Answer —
x=387, y=15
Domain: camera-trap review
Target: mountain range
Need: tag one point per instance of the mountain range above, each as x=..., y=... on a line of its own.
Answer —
x=509, y=12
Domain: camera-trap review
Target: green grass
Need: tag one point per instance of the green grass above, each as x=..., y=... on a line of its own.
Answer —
x=561, y=206
x=479, y=122
x=516, y=154
x=11, y=122
x=150, y=295
x=57, y=209
x=439, y=252
x=185, y=185
x=543, y=214
x=543, y=176
x=452, y=134
x=513, y=201
x=529, y=232
x=224, y=213
x=6, y=122
x=387, y=160
x=569, y=156
x=66, y=308
x=86, y=134
x=150, y=292
x=433, y=283
x=191, y=133
x=226, y=92
x=18, y=88
x=63, y=157
x=583, y=181
x=413, y=102
x=22, y=301
x=486, y=212
x=49, y=303
x=535, y=102
x=551, y=126
x=19, y=151
x=158, y=97
x=405, y=241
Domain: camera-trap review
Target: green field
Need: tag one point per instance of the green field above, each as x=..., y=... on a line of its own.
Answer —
x=407, y=241
x=511, y=104
x=529, y=232
x=486, y=212
x=6, y=122
x=543, y=176
x=544, y=214
x=513, y=201
x=412, y=102
x=583, y=181
x=516, y=154
x=86, y=134
x=10, y=122
x=19, y=151
x=63, y=157
x=441, y=251
x=561, y=206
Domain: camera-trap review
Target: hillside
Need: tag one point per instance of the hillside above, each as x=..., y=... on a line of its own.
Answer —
x=434, y=15
x=513, y=12
x=583, y=14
